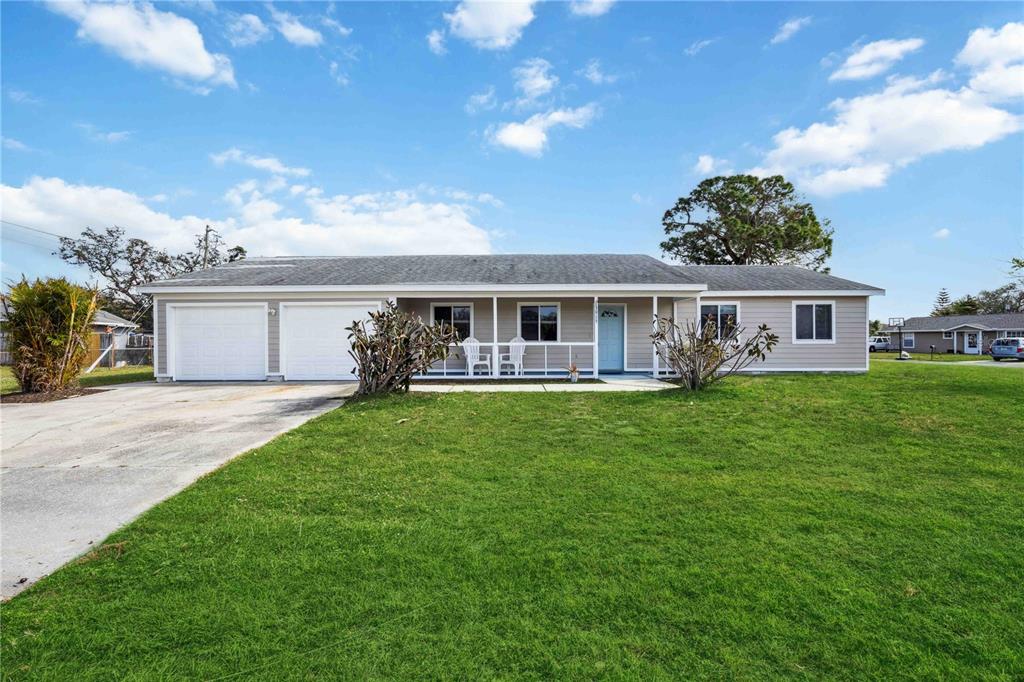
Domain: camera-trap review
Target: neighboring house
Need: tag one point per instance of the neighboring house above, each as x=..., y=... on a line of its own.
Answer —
x=107, y=329
x=970, y=334
x=285, y=318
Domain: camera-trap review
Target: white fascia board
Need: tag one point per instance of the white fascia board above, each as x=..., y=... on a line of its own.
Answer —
x=754, y=293
x=480, y=289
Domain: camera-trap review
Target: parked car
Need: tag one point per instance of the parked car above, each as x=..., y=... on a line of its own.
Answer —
x=879, y=343
x=1012, y=347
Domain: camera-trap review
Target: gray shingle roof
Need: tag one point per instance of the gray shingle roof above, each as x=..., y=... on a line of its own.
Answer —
x=1002, y=321
x=106, y=319
x=767, y=278
x=506, y=270
x=411, y=270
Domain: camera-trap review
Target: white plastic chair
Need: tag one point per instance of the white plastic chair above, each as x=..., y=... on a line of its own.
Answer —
x=514, y=356
x=471, y=347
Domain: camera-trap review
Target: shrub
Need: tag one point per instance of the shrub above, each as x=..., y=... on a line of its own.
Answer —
x=47, y=329
x=700, y=356
x=392, y=347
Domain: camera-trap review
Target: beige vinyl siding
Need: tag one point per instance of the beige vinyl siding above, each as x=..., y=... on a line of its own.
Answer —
x=922, y=340
x=273, y=321
x=847, y=353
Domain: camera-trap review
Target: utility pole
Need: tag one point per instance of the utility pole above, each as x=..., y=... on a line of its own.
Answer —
x=206, y=245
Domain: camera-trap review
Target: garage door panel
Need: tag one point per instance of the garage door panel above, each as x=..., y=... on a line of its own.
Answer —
x=315, y=341
x=220, y=343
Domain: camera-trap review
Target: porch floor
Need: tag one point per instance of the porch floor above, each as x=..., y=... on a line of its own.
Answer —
x=618, y=382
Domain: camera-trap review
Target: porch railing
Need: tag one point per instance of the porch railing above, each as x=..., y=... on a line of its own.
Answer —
x=548, y=358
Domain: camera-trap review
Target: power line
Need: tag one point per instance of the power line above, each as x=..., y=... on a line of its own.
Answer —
x=34, y=229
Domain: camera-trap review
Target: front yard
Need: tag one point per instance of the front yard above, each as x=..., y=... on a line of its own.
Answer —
x=785, y=526
x=98, y=377
x=934, y=357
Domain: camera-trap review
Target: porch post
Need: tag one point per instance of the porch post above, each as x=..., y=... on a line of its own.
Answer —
x=495, y=367
x=654, y=328
x=594, y=351
x=954, y=343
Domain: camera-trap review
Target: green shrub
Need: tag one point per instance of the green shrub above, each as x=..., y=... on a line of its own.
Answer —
x=47, y=329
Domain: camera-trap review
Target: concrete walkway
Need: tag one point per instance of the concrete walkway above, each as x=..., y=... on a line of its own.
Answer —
x=610, y=384
x=73, y=471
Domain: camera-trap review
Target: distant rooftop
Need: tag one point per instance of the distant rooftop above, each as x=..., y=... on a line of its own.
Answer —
x=998, y=322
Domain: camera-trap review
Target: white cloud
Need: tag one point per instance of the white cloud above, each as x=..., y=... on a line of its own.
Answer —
x=97, y=135
x=709, y=165
x=481, y=101
x=590, y=8
x=490, y=25
x=531, y=136
x=265, y=163
x=337, y=26
x=246, y=29
x=293, y=30
x=790, y=28
x=339, y=76
x=533, y=80
x=402, y=222
x=146, y=36
x=696, y=46
x=942, y=233
x=14, y=145
x=996, y=59
x=642, y=199
x=22, y=97
x=435, y=41
x=875, y=58
x=872, y=135
x=593, y=73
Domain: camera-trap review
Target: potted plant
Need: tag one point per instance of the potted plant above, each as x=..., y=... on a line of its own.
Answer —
x=574, y=372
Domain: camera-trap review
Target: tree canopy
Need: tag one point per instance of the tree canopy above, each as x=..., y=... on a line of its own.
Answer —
x=746, y=220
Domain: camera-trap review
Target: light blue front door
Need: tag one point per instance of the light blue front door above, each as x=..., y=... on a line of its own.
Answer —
x=611, y=330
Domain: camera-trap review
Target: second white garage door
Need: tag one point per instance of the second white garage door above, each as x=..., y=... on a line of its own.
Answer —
x=314, y=340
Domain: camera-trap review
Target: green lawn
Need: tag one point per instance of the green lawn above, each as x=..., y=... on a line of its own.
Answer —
x=854, y=527
x=98, y=377
x=938, y=357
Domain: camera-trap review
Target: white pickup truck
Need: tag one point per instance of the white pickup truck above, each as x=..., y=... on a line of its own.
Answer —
x=879, y=343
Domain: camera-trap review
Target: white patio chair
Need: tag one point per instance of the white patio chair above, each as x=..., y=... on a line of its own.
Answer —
x=471, y=347
x=514, y=356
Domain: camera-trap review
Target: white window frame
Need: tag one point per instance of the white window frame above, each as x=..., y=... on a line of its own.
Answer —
x=719, y=304
x=444, y=304
x=519, y=319
x=815, y=341
x=908, y=336
x=947, y=335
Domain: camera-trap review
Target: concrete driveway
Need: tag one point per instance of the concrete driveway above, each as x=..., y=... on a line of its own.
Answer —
x=74, y=471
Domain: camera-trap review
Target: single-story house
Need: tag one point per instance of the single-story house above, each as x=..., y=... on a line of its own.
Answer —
x=107, y=329
x=968, y=334
x=285, y=318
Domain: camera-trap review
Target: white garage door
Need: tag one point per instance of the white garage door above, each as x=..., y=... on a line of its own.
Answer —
x=314, y=341
x=219, y=343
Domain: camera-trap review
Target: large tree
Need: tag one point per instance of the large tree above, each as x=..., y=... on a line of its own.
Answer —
x=127, y=263
x=942, y=302
x=744, y=220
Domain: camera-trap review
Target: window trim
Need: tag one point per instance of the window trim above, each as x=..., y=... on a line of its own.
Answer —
x=831, y=341
x=519, y=320
x=908, y=336
x=948, y=336
x=447, y=304
x=704, y=302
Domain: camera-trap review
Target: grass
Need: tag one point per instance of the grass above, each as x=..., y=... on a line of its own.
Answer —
x=855, y=527
x=938, y=357
x=98, y=377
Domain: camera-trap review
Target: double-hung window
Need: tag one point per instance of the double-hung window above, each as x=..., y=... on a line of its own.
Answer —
x=725, y=317
x=908, y=340
x=458, y=315
x=538, y=321
x=947, y=335
x=814, y=322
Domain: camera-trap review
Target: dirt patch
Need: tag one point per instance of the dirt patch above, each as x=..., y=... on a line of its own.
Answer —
x=113, y=550
x=47, y=396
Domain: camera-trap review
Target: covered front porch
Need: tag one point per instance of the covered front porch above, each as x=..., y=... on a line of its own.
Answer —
x=602, y=335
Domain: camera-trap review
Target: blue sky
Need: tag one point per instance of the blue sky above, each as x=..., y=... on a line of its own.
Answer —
x=316, y=128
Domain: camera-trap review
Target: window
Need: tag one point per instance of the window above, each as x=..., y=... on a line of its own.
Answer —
x=908, y=340
x=813, y=322
x=458, y=315
x=947, y=335
x=725, y=316
x=538, y=321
